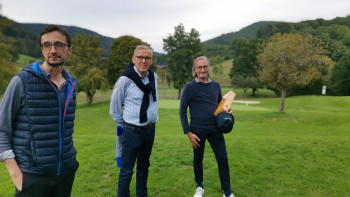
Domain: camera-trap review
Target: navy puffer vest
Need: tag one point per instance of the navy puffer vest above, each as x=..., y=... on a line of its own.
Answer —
x=42, y=133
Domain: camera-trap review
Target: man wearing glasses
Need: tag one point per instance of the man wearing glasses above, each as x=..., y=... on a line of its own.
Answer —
x=37, y=122
x=134, y=105
x=202, y=96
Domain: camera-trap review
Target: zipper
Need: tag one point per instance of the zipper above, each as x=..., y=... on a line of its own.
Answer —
x=59, y=128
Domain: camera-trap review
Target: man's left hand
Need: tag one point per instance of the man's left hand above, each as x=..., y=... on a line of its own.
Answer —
x=229, y=110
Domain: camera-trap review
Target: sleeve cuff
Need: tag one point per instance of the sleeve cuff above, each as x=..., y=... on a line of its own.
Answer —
x=7, y=155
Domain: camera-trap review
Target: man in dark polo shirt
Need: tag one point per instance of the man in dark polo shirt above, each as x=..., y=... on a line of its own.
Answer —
x=202, y=96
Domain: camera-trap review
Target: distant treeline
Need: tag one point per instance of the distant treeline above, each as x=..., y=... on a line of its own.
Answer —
x=221, y=45
x=26, y=36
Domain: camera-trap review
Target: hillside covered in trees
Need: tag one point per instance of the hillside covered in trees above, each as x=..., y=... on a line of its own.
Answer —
x=26, y=36
x=274, y=53
x=222, y=45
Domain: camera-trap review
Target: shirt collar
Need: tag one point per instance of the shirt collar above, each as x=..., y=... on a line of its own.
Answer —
x=198, y=81
x=47, y=74
x=139, y=73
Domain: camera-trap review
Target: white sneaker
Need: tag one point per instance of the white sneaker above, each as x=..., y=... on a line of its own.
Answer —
x=199, y=192
x=230, y=195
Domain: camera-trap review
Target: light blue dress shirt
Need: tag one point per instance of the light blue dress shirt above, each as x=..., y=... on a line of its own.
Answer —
x=126, y=101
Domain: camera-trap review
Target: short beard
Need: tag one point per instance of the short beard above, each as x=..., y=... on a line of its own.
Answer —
x=58, y=64
x=203, y=77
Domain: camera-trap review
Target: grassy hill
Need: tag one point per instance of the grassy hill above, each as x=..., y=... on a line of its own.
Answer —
x=222, y=78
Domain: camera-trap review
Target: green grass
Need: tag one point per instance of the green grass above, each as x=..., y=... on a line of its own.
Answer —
x=301, y=152
x=24, y=60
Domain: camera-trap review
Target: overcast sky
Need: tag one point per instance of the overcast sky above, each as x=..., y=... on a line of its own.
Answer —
x=153, y=20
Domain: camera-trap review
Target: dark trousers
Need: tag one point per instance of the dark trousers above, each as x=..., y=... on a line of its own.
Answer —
x=47, y=186
x=137, y=145
x=217, y=143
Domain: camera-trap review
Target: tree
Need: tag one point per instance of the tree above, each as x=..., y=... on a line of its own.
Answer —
x=341, y=78
x=161, y=59
x=182, y=48
x=8, y=67
x=290, y=60
x=87, y=65
x=122, y=50
x=216, y=60
x=338, y=32
x=213, y=50
x=238, y=45
x=282, y=27
x=264, y=31
x=216, y=64
x=244, y=72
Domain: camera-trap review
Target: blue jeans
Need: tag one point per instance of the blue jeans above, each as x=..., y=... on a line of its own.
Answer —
x=137, y=145
x=217, y=143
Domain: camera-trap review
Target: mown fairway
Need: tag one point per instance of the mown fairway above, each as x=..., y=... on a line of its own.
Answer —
x=302, y=152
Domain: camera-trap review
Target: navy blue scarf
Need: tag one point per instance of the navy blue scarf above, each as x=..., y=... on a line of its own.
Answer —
x=147, y=89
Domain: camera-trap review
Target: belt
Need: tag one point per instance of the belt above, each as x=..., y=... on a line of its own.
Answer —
x=147, y=126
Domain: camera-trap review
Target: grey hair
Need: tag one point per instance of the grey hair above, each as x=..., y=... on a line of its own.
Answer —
x=140, y=47
x=194, y=74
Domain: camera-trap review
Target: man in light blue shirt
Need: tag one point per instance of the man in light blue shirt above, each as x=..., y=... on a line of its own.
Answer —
x=134, y=105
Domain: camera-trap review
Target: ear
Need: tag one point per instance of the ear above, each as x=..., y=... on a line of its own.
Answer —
x=70, y=50
x=133, y=59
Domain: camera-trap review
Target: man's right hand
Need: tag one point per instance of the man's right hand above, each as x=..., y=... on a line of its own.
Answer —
x=15, y=172
x=193, y=139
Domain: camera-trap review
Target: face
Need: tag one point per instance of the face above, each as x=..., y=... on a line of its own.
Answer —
x=202, y=69
x=142, y=60
x=55, y=56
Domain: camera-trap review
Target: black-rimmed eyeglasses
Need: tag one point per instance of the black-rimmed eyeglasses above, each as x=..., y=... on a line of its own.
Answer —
x=58, y=46
x=140, y=58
